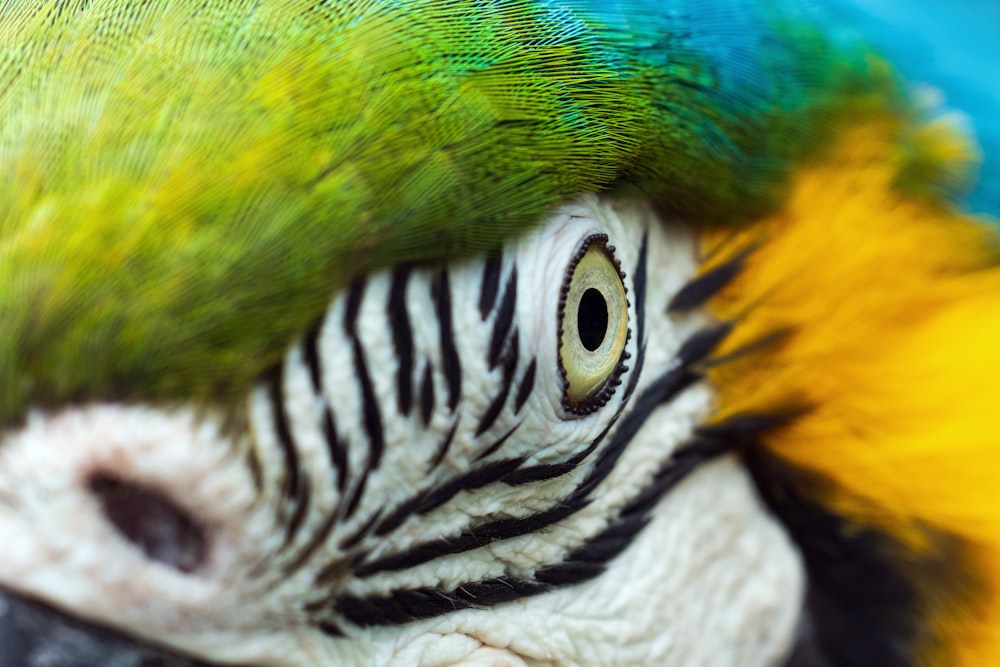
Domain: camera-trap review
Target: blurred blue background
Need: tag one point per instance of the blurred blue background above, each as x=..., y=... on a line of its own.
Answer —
x=954, y=45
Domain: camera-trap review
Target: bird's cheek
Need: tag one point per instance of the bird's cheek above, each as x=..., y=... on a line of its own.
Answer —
x=455, y=649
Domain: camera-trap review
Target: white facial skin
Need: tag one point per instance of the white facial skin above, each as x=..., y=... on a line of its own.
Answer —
x=711, y=580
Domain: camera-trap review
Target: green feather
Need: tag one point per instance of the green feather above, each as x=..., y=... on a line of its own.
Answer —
x=184, y=184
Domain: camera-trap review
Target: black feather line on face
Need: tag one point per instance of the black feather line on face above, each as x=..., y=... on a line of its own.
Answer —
x=526, y=386
x=318, y=539
x=510, y=360
x=402, y=337
x=427, y=395
x=370, y=409
x=700, y=291
x=445, y=445
x=310, y=352
x=300, y=507
x=775, y=337
x=276, y=401
x=549, y=471
x=490, y=284
x=351, y=506
x=372, y=421
x=498, y=443
x=256, y=468
x=450, y=362
x=367, y=528
x=504, y=320
x=295, y=487
x=337, y=450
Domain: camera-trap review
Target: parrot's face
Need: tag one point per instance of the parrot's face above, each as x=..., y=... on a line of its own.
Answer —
x=497, y=461
x=507, y=333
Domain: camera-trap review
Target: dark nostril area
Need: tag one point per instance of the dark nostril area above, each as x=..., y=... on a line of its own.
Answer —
x=152, y=521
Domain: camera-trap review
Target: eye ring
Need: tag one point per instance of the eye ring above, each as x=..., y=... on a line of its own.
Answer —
x=593, y=327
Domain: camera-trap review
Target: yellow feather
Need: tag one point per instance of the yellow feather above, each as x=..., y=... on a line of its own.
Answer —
x=894, y=306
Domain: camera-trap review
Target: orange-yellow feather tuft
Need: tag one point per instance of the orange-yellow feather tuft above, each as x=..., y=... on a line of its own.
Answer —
x=893, y=303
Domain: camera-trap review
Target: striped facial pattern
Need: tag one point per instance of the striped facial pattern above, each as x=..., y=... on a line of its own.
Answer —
x=459, y=466
x=443, y=441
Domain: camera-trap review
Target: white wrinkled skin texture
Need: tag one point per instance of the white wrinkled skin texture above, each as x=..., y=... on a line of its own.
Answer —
x=712, y=581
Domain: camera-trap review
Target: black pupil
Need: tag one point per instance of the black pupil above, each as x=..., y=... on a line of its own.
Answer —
x=592, y=319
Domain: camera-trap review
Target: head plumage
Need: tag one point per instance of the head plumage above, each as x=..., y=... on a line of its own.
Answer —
x=186, y=183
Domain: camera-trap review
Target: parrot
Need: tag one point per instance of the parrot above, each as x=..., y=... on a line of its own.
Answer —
x=499, y=333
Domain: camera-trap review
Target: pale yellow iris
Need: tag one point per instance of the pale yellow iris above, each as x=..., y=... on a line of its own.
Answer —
x=594, y=324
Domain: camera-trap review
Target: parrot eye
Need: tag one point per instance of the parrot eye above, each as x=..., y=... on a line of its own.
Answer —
x=593, y=326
